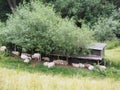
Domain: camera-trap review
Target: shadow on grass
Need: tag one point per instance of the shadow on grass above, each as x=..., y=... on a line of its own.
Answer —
x=17, y=64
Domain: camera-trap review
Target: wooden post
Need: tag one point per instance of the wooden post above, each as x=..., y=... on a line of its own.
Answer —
x=98, y=62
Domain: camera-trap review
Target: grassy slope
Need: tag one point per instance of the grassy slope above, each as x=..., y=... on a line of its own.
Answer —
x=16, y=75
x=21, y=80
x=12, y=63
x=113, y=54
x=113, y=57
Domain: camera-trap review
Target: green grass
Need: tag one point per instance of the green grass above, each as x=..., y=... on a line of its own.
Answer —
x=21, y=80
x=113, y=54
x=17, y=75
x=113, y=57
x=113, y=44
x=18, y=64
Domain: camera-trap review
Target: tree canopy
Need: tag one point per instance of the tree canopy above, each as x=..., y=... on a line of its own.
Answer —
x=37, y=27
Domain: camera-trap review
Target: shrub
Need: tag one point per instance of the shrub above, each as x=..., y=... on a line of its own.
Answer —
x=37, y=28
x=116, y=16
x=113, y=44
x=104, y=29
x=89, y=10
x=1, y=29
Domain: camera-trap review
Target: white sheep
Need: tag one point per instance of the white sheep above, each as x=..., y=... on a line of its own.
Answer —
x=81, y=65
x=75, y=65
x=27, y=60
x=87, y=65
x=60, y=62
x=90, y=67
x=3, y=48
x=51, y=64
x=24, y=56
x=36, y=56
x=45, y=63
x=46, y=59
x=57, y=62
x=102, y=67
x=15, y=53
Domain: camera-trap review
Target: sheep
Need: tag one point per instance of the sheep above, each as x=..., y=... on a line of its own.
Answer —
x=60, y=62
x=51, y=64
x=45, y=63
x=3, y=48
x=57, y=62
x=27, y=60
x=36, y=56
x=89, y=67
x=75, y=65
x=46, y=59
x=81, y=65
x=24, y=56
x=65, y=63
x=102, y=67
x=15, y=53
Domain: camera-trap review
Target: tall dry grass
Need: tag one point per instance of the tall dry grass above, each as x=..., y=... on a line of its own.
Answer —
x=21, y=80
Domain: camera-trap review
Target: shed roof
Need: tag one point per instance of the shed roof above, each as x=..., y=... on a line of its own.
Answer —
x=97, y=46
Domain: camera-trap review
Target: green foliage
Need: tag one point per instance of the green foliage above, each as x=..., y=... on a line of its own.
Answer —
x=15, y=63
x=115, y=2
x=4, y=9
x=113, y=44
x=36, y=27
x=1, y=25
x=88, y=10
x=1, y=29
x=116, y=16
x=108, y=28
x=105, y=29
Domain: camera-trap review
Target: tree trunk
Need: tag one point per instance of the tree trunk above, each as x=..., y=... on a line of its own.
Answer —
x=12, y=4
x=67, y=57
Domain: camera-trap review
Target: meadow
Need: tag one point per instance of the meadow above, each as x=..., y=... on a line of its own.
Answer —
x=21, y=80
x=16, y=75
x=64, y=27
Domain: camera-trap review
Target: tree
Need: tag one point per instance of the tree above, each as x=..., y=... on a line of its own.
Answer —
x=7, y=6
x=89, y=10
x=105, y=29
x=37, y=28
x=116, y=17
x=12, y=4
x=1, y=29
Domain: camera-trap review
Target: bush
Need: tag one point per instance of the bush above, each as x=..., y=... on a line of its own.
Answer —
x=1, y=29
x=1, y=26
x=116, y=16
x=105, y=29
x=89, y=10
x=37, y=28
x=113, y=44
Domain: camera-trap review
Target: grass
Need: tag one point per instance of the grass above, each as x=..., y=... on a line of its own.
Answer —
x=16, y=75
x=113, y=44
x=113, y=57
x=17, y=64
x=113, y=54
x=21, y=80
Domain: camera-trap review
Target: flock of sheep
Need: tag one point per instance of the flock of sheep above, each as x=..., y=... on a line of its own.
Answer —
x=37, y=58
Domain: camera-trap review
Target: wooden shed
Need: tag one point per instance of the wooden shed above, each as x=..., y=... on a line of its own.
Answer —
x=97, y=51
x=96, y=54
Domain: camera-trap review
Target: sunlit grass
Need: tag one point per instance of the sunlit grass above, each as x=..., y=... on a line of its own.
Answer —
x=21, y=80
x=113, y=54
x=16, y=75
